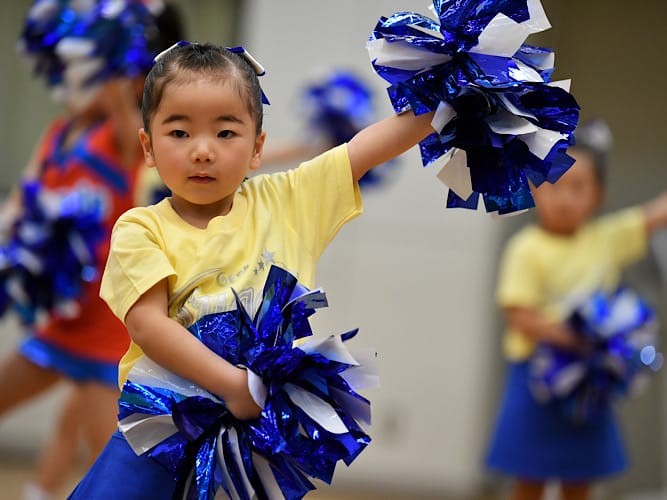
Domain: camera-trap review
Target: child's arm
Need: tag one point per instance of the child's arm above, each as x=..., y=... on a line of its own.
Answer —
x=655, y=213
x=537, y=327
x=386, y=139
x=171, y=346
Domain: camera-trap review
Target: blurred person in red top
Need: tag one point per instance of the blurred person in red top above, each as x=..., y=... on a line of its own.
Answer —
x=94, y=146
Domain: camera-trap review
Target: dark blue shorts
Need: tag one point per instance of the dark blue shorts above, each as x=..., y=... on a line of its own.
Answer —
x=119, y=473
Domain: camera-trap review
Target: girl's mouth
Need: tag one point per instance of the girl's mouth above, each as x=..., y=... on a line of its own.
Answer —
x=201, y=179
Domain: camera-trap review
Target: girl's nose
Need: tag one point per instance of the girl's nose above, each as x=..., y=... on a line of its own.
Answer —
x=202, y=153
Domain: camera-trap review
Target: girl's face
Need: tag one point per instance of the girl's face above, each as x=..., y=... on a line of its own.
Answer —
x=203, y=142
x=563, y=207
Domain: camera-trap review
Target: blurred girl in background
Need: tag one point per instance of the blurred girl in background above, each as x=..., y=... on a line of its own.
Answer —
x=94, y=57
x=545, y=266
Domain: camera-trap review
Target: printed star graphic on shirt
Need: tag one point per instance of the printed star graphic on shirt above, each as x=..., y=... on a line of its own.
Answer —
x=268, y=257
x=264, y=259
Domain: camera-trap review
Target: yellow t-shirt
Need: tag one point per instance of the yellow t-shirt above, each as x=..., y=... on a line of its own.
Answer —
x=286, y=219
x=552, y=273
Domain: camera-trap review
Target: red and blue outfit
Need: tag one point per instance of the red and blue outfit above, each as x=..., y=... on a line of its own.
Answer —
x=89, y=346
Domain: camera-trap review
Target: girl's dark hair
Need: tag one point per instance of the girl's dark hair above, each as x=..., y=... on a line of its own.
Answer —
x=594, y=139
x=204, y=59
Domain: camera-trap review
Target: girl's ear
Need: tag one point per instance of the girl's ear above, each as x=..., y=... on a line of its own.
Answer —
x=256, y=159
x=145, y=140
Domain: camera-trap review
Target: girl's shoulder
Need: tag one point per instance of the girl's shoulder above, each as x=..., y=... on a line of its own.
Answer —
x=154, y=215
x=530, y=243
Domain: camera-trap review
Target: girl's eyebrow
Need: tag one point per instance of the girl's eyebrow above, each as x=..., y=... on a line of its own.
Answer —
x=229, y=118
x=175, y=118
x=180, y=117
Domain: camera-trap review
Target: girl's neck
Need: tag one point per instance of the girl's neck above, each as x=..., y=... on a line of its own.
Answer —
x=199, y=216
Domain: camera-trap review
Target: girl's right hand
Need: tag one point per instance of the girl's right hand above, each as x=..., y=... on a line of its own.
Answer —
x=567, y=339
x=564, y=337
x=537, y=327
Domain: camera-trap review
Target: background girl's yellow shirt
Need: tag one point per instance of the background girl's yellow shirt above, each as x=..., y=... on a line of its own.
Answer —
x=286, y=219
x=551, y=273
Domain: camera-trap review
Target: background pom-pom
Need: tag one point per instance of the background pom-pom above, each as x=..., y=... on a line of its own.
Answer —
x=619, y=334
x=336, y=106
x=62, y=39
x=51, y=251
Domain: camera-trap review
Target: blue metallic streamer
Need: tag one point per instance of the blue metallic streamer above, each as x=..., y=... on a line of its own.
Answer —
x=462, y=21
x=295, y=445
x=614, y=329
x=478, y=87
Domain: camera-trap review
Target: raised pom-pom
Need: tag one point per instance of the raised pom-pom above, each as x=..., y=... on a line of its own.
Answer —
x=499, y=121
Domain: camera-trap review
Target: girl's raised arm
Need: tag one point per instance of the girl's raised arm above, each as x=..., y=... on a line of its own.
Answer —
x=386, y=139
x=655, y=213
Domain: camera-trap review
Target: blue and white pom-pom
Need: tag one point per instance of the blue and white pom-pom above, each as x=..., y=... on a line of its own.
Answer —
x=336, y=107
x=76, y=45
x=620, y=333
x=51, y=252
x=500, y=121
x=47, y=23
x=306, y=385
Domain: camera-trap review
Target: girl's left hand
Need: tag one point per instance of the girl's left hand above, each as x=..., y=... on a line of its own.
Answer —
x=241, y=403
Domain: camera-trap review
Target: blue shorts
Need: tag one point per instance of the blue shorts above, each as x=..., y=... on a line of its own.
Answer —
x=119, y=473
x=535, y=441
x=76, y=368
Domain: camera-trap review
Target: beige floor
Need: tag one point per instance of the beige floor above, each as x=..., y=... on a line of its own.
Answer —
x=14, y=473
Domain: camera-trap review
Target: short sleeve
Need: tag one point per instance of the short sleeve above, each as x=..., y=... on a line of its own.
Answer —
x=136, y=263
x=625, y=231
x=519, y=281
x=324, y=198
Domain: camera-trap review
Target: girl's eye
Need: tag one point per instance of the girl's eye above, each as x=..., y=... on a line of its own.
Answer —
x=225, y=134
x=179, y=133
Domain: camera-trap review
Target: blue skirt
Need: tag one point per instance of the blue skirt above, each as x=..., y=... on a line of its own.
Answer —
x=49, y=356
x=534, y=441
x=119, y=473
